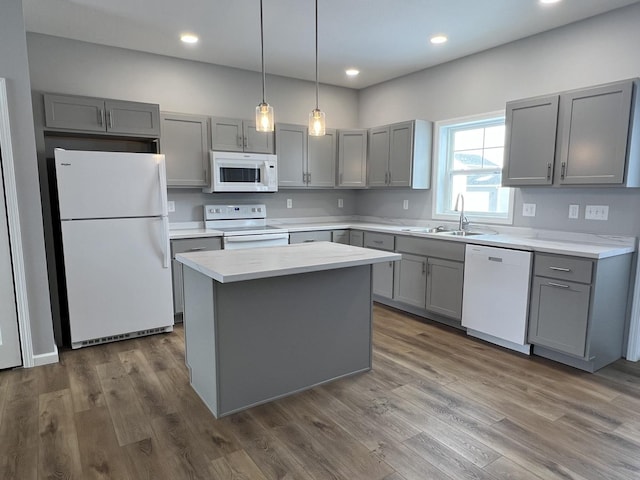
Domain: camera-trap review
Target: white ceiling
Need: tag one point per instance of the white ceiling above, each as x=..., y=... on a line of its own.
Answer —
x=384, y=39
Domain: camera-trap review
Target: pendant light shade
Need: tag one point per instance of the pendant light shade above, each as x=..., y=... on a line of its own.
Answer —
x=317, y=124
x=264, y=111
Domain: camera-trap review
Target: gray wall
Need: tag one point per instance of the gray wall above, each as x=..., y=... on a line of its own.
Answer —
x=598, y=50
x=68, y=66
x=14, y=67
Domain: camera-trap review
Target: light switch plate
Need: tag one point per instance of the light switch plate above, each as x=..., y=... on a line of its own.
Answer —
x=289, y=203
x=340, y=203
x=596, y=212
x=405, y=204
x=171, y=206
x=528, y=209
x=574, y=211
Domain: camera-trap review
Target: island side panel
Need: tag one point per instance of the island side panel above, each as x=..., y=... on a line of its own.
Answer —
x=199, y=336
x=280, y=335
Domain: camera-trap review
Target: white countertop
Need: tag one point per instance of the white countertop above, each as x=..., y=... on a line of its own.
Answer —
x=562, y=243
x=227, y=266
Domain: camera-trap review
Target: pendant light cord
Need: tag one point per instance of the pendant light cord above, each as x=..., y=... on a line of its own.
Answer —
x=262, y=52
x=317, y=102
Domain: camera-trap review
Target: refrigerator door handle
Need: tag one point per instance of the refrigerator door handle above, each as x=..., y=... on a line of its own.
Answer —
x=162, y=176
x=165, y=242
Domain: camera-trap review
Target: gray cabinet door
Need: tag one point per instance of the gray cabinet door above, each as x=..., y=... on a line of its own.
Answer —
x=352, y=158
x=559, y=314
x=594, y=130
x=400, y=154
x=530, y=142
x=340, y=236
x=132, y=118
x=321, y=161
x=74, y=113
x=185, y=145
x=410, y=280
x=182, y=246
x=356, y=238
x=378, y=160
x=383, y=279
x=444, y=287
x=291, y=148
x=227, y=134
x=257, y=142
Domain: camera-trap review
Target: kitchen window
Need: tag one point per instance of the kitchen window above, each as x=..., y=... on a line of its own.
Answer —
x=469, y=155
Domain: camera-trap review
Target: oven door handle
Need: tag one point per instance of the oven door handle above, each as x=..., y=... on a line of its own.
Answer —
x=253, y=238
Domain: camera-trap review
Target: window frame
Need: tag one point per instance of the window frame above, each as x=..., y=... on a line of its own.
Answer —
x=441, y=172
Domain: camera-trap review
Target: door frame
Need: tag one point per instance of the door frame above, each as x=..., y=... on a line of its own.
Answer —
x=15, y=235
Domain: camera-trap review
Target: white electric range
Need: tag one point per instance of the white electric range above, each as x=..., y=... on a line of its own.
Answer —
x=244, y=226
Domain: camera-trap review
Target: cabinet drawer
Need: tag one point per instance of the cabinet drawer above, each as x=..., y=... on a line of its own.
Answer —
x=380, y=241
x=450, y=250
x=565, y=268
x=340, y=236
x=315, y=236
x=356, y=238
x=195, y=244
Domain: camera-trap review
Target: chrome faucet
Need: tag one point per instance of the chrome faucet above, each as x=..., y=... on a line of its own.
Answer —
x=463, y=222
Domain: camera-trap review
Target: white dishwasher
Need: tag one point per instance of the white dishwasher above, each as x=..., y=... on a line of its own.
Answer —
x=495, y=299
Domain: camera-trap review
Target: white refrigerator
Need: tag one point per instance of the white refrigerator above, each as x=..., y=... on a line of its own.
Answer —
x=115, y=243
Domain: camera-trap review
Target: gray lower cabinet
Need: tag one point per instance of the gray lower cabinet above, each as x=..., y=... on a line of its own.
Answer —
x=340, y=236
x=99, y=115
x=312, y=236
x=589, y=136
x=444, y=287
x=184, y=245
x=382, y=272
x=578, y=309
x=356, y=238
x=237, y=135
x=352, y=158
x=410, y=280
x=185, y=142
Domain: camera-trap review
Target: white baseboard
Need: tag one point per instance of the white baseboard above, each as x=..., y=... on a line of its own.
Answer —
x=46, y=358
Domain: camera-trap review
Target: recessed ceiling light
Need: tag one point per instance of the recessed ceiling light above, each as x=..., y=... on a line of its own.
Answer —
x=352, y=72
x=549, y=1
x=437, y=39
x=189, y=38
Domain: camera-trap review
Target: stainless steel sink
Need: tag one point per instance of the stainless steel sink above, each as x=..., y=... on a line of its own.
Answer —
x=460, y=233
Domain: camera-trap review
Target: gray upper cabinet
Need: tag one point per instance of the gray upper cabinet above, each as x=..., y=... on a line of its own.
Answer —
x=593, y=134
x=582, y=137
x=237, y=135
x=400, y=155
x=352, y=158
x=291, y=148
x=530, y=142
x=184, y=142
x=321, y=160
x=305, y=161
x=97, y=115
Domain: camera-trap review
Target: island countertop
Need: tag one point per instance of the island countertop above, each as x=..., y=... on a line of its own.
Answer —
x=227, y=266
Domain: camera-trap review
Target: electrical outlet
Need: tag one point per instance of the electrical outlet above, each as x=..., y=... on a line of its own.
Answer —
x=340, y=203
x=405, y=204
x=289, y=203
x=171, y=206
x=596, y=212
x=528, y=209
x=574, y=211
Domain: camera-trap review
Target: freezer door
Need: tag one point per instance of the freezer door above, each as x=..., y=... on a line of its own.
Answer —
x=110, y=184
x=116, y=277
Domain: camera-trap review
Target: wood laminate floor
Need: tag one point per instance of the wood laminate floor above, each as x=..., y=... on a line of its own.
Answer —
x=437, y=405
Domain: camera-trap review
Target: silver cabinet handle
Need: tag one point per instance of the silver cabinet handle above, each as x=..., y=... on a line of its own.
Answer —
x=389, y=181
x=100, y=117
x=377, y=242
x=239, y=140
x=308, y=178
x=196, y=249
x=110, y=118
x=549, y=171
x=304, y=177
x=563, y=166
x=424, y=267
x=560, y=269
x=557, y=285
x=309, y=241
x=246, y=142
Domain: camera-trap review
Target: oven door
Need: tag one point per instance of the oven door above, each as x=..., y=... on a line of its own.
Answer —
x=254, y=241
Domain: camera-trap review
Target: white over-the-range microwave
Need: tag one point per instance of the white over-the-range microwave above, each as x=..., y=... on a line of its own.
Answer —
x=242, y=172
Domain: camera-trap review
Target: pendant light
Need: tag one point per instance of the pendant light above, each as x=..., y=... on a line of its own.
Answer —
x=317, y=125
x=264, y=111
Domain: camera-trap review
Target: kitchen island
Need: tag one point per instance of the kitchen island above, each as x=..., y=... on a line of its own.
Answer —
x=264, y=323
